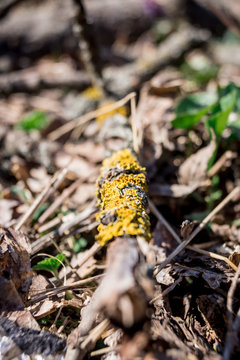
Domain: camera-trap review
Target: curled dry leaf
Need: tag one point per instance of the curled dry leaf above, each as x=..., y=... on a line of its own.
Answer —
x=194, y=169
x=6, y=210
x=77, y=165
x=235, y=257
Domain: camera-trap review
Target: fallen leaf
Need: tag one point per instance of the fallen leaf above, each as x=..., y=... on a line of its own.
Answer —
x=6, y=210
x=194, y=169
x=94, y=153
x=235, y=257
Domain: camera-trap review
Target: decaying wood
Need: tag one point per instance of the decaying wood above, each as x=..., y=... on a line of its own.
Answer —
x=87, y=43
x=123, y=294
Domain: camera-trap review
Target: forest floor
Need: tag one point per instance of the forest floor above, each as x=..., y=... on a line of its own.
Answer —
x=171, y=80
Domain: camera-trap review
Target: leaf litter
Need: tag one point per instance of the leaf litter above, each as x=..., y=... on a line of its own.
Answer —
x=134, y=297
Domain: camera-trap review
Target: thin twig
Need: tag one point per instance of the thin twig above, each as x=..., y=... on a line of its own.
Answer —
x=53, y=291
x=88, y=343
x=70, y=125
x=63, y=229
x=103, y=351
x=62, y=327
x=58, y=201
x=49, y=225
x=56, y=179
x=166, y=291
x=184, y=243
x=233, y=327
x=133, y=124
x=196, y=249
x=228, y=155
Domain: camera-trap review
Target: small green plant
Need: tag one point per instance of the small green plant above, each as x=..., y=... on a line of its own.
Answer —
x=51, y=264
x=199, y=69
x=213, y=108
x=36, y=120
x=79, y=244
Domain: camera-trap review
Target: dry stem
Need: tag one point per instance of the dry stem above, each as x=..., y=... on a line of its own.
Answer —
x=185, y=243
x=70, y=125
x=54, y=184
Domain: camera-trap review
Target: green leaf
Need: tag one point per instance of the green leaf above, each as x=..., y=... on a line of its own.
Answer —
x=36, y=120
x=79, y=244
x=50, y=264
x=191, y=109
x=221, y=111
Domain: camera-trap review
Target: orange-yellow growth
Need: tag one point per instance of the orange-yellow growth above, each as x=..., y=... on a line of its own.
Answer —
x=121, y=191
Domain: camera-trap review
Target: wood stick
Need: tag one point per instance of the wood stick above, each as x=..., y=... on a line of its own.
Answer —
x=198, y=229
x=193, y=248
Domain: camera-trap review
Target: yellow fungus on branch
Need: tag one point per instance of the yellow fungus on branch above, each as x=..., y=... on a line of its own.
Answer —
x=121, y=191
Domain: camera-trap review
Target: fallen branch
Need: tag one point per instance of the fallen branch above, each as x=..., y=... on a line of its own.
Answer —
x=125, y=290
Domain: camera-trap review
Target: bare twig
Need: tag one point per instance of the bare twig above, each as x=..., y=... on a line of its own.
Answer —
x=62, y=327
x=79, y=352
x=50, y=292
x=103, y=351
x=193, y=248
x=45, y=240
x=166, y=291
x=70, y=125
x=54, y=183
x=58, y=201
x=228, y=155
x=197, y=230
x=49, y=225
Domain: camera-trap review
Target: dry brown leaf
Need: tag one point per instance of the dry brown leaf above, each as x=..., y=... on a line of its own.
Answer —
x=194, y=169
x=44, y=308
x=78, y=166
x=83, y=193
x=6, y=210
x=94, y=153
x=39, y=179
x=235, y=257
